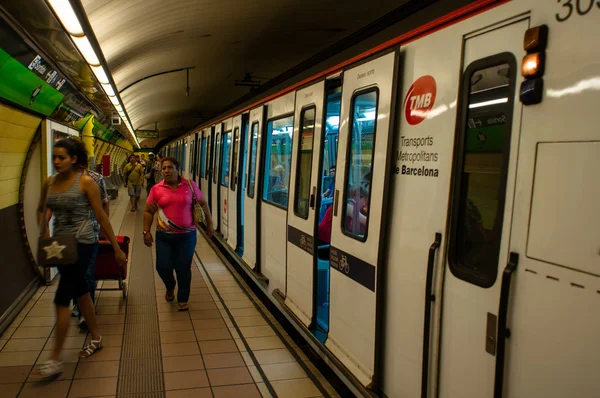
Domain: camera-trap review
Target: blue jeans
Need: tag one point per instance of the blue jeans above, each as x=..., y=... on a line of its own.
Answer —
x=174, y=252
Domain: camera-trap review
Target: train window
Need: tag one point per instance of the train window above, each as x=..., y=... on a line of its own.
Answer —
x=203, y=158
x=359, y=164
x=236, y=141
x=252, y=163
x=278, y=156
x=209, y=139
x=304, y=165
x=481, y=164
x=225, y=159
x=215, y=164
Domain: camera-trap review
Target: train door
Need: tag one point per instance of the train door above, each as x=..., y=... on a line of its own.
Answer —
x=216, y=195
x=195, y=149
x=357, y=222
x=275, y=179
x=485, y=158
x=241, y=184
x=301, y=243
x=324, y=200
x=210, y=150
x=251, y=232
x=232, y=205
x=202, y=167
x=225, y=178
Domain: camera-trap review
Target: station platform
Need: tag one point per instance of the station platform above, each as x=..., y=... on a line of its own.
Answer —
x=227, y=345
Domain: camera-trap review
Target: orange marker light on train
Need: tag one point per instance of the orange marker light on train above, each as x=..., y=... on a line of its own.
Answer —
x=533, y=65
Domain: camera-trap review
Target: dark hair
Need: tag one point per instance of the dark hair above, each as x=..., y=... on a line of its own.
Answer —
x=129, y=157
x=170, y=159
x=74, y=147
x=362, y=192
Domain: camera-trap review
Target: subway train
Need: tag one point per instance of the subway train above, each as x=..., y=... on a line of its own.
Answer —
x=456, y=167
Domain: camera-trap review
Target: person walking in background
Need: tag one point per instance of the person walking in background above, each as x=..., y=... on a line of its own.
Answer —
x=175, y=232
x=71, y=197
x=133, y=180
x=158, y=177
x=149, y=173
x=100, y=181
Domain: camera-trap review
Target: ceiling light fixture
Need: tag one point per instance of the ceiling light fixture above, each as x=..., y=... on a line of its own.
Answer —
x=85, y=48
x=66, y=15
x=108, y=90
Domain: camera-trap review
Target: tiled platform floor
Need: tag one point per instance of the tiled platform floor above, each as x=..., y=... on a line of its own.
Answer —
x=227, y=345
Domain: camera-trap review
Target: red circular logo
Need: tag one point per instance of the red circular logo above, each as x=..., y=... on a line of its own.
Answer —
x=419, y=99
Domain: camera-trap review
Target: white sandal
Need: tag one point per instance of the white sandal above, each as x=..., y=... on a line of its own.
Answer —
x=50, y=369
x=91, y=348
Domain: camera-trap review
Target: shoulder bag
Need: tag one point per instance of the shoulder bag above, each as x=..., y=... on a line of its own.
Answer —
x=58, y=249
x=197, y=211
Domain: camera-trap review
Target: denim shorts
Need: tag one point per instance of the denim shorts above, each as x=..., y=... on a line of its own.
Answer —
x=73, y=282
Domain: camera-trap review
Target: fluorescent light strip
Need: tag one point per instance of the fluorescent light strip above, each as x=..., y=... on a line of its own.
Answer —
x=85, y=48
x=488, y=103
x=100, y=74
x=66, y=15
x=108, y=90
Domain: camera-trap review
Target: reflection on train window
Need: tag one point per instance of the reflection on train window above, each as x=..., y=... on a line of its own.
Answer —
x=252, y=166
x=216, y=157
x=482, y=159
x=184, y=149
x=304, y=166
x=236, y=141
x=360, y=164
x=203, y=158
x=278, y=157
x=225, y=159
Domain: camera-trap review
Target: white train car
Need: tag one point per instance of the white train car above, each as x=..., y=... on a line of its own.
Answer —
x=458, y=166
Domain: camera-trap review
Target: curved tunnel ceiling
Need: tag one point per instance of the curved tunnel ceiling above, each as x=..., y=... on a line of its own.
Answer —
x=220, y=40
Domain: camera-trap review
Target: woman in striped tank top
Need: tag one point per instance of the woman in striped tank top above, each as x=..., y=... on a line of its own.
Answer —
x=71, y=197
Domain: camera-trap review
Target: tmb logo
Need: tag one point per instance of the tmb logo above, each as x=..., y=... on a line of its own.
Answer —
x=419, y=99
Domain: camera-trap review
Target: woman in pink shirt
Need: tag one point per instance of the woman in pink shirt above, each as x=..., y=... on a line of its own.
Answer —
x=172, y=199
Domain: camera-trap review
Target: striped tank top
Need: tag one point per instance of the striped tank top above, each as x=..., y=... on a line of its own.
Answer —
x=73, y=213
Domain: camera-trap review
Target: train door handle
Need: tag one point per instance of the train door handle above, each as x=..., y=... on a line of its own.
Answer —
x=429, y=299
x=502, y=332
x=312, y=198
x=335, y=202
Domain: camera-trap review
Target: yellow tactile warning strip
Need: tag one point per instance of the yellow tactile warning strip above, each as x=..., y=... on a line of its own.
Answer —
x=227, y=345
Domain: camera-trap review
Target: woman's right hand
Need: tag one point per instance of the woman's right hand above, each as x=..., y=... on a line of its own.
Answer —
x=148, y=240
x=121, y=257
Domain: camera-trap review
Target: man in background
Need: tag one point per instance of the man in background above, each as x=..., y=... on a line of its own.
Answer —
x=149, y=173
x=134, y=173
x=89, y=275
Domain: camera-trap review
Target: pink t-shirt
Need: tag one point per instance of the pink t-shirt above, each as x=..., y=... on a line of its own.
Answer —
x=174, y=206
